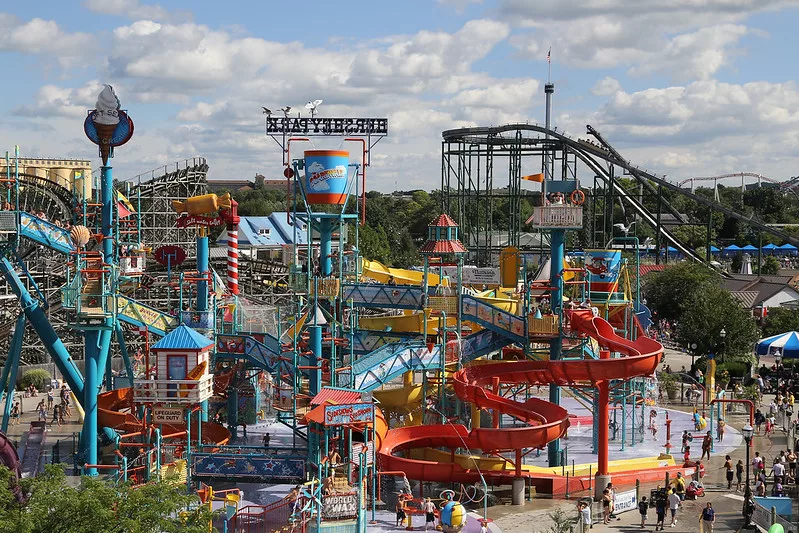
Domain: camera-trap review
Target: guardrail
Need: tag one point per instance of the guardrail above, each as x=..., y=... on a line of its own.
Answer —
x=183, y=391
x=557, y=216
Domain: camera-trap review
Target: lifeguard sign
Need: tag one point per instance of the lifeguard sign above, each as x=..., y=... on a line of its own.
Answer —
x=348, y=414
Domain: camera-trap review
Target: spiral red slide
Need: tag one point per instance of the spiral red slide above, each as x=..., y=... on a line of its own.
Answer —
x=546, y=421
x=113, y=411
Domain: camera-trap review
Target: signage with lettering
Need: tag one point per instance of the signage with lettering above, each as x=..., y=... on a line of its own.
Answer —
x=197, y=220
x=167, y=415
x=472, y=275
x=327, y=126
x=625, y=501
x=340, y=506
x=353, y=413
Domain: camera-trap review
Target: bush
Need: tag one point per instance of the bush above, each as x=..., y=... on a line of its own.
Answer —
x=39, y=377
x=736, y=369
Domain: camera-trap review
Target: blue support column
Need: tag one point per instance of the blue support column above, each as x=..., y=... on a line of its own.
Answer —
x=123, y=348
x=325, y=246
x=92, y=350
x=38, y=320
x=555, y=347
x=202, y=269
x=315, y=381
x=107, y=193
x=9, y=379
x=233, y=411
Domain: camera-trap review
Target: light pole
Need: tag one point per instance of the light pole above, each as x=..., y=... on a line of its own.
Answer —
x=747, y=431
x=723, y=335
x=693, y=354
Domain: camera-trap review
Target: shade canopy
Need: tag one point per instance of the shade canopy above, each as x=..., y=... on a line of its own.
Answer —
x=749, y=248
x=782, y=345
x=770, y=246
x=788, y=249
x=714, y=250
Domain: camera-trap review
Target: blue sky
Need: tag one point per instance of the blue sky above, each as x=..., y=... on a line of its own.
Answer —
x=683, y=87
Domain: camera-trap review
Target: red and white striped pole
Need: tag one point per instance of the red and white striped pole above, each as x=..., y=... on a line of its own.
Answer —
x=233, y=258
x=233, y=248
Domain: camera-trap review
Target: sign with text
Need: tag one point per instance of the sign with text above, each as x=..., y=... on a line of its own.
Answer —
x=340, y=506
x=472, y=275
x=625, y=501
x=327, y=126
x=352, y=413
x=197, y=220
x=167, y=415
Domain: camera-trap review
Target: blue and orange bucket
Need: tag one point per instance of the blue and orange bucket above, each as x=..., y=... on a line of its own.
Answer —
x=326, y=176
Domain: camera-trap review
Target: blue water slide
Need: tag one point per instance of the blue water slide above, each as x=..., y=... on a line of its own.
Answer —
x=44, y=233
x=495, y=319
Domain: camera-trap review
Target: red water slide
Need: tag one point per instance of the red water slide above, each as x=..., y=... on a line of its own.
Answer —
x=114, y=411
x=479, y=385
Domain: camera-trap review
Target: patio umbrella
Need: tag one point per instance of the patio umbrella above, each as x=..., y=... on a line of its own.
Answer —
x=731, y=250
x=749, y=248
x=789, y=249
x=784, y=344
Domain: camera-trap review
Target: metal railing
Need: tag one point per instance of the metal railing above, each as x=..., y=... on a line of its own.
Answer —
x=557, y=216
x=182, y=391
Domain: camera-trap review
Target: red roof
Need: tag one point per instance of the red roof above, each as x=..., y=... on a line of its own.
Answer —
x=443, y=247
x=646, y=269
x=443, y=221
x=336, y=396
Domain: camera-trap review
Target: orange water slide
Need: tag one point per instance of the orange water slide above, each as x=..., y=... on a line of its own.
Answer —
x=113, y=411
x=547, y=421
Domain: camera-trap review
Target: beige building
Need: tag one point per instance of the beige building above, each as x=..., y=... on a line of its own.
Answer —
x=72, y=174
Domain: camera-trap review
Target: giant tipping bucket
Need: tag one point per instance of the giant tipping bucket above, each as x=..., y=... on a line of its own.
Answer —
x=326, y=173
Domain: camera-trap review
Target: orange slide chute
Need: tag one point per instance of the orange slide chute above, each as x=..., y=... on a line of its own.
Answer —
x=547, y=421
x=113, y=411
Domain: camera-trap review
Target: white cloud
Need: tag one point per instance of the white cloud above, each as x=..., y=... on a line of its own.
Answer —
x=52, y=100
x=43, y=37
x=606, y=86
x=135, y=10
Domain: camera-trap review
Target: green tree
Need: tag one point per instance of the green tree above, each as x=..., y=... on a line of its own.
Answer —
x=780, y=320
x=98, y=506
x=709, y=310
x=770, y=266
x=670, y=292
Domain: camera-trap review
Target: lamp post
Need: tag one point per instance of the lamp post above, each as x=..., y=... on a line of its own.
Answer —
x=747, y=431
x=723, y=335
x=693, y=355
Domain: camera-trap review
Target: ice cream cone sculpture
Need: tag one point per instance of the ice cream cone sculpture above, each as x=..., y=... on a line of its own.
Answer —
x=106, y=120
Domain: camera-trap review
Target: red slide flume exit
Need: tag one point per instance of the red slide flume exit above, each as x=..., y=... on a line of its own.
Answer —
x=546, y=421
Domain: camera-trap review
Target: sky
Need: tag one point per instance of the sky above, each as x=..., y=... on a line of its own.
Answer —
x=681, y=87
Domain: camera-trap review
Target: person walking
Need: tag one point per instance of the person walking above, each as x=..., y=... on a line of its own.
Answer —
x=400, y=508
x=56, y=415
x=791, y=457
x=728, y=471
x=739, y=473
x=429, y=514
x=15, y=414
x=707, y=443
x=707, y=519
x=585, y=517
x=643, y=508
x=661, y=504
x=778, y=471
x=41, y=411
x=674, y=504
x=720, y=428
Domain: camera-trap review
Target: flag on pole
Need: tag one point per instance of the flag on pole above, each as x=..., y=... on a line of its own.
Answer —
x=538, y=178
x=549, y=55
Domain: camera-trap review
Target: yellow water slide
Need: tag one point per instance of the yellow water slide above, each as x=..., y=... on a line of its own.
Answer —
x=408, y=322
x=395, y=276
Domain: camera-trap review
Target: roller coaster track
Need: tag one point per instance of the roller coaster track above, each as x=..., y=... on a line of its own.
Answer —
x=595, y=157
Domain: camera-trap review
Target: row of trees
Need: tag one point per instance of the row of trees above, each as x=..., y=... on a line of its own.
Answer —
x=53, y=504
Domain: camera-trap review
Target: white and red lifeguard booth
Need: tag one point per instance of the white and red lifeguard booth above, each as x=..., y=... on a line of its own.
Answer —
x=182, y=370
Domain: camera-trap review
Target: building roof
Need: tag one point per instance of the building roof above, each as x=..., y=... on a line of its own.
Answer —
x=443, y=247
x=272, y=231
x=745, y=298
x=183, y=338
x=336, y=396
x=643, y=270
x=443, y=221
x=741, y=286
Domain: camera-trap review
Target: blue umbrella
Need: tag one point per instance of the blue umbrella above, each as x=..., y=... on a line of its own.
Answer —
x=784, y=345
x=789, y=249
x=730, y=250
x=748, y=248
x=714, y=250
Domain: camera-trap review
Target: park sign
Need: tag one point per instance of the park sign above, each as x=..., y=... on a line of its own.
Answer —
x=167, y=415
x=340, y=506
x=327, y=126
x=347, y=414
x=197, y=220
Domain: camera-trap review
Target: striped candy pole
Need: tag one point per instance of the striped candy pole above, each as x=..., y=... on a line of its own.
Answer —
x=233, y=258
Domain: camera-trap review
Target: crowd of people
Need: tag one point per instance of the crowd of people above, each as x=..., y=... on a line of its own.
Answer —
x=47, y=406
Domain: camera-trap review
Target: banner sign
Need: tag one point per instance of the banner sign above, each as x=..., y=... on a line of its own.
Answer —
x=198, y=220
x=339, y=506
x=327, y=126
x=167, y=415
x=354, y=413
x=472, y=275
x=603, y=268
x=624, y=501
